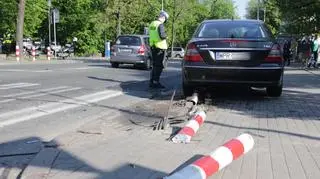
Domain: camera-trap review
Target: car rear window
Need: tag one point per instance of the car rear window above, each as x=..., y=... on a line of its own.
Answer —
x=232, y=29
x=128, y=40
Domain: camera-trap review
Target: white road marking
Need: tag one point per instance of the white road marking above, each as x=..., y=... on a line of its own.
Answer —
x=30, y=113
x=17, y=85
x=81, y=68
x=33, y=92
x=42, y=93
x=21, y=70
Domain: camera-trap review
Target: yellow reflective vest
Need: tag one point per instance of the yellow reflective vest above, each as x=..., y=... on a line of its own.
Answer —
x=154, y=37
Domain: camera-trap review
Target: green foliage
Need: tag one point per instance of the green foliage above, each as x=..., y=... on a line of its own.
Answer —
x=290, y=17
x=94, y=21
x=300, y=17
x=35, y=13
x=272, y=13
x=8, y=15
x=222, y=9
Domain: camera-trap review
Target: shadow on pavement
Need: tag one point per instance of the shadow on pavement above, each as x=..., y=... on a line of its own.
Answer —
x=186, y=163
x=264, y=129
x=62, y=164
x=300, y=99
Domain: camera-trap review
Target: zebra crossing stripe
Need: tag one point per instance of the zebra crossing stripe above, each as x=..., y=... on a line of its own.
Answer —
x=34, y=112
x=17, y=85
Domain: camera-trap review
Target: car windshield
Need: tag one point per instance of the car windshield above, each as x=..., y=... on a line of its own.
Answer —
x=128, y=40
x=232, y=29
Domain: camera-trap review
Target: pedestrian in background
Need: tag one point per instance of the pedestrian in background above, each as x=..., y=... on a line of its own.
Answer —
x=286, y=52
x=158, y=44
x=314, y=51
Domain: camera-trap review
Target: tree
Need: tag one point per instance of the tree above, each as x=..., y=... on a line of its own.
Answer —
x=300, y=17
x=94, y=21
x=222, y=9
x=35, y=14
x=20, y=23
x=272, y=14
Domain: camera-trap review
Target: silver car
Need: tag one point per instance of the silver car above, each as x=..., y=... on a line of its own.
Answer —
x=131, y=49
x=178, y=52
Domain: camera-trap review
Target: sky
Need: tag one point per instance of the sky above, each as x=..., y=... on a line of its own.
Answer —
x=241, y=7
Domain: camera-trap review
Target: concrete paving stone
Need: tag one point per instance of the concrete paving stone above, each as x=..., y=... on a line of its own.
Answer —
x=308, y=162
x=292, y=161
x=279, y=165
x=249, y=165
x=264, y=164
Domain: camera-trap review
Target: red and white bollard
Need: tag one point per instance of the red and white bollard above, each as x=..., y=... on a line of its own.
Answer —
x=33, y=53
x=48, y=53
x=190, y=129
x=17, y=53
x=217, y=160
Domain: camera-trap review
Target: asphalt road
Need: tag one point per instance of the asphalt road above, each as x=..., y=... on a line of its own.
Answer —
x=48, y=99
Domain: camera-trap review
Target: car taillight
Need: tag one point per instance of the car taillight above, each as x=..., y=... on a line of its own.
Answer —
x=274, y=55
x=142, y=50
x=192, y=54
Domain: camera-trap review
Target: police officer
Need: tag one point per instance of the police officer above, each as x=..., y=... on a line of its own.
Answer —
x=158, y=44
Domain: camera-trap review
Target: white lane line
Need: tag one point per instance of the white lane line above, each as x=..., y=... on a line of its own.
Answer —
x=20, y=70
x=42, y=93
x=17, y=85
x=33, y=92
x=81, y=68
x=11, y=84
x=26, y=114
x=51, y=92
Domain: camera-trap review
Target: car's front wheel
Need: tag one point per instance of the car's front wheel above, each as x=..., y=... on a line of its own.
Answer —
x=274, y=91
x=114, y=65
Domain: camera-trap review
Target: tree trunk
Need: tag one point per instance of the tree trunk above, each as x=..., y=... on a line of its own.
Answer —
x=20, y=22
x=172, y=30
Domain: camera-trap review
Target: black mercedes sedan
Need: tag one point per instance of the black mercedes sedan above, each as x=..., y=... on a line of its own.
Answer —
x=233, y=52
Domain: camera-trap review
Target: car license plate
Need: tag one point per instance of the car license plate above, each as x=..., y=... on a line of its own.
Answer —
x=125, y=50
x=223, y=56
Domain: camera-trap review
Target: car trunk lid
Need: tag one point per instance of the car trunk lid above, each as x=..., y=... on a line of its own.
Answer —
x=234, y=52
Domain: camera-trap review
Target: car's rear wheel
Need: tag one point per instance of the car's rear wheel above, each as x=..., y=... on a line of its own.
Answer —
x=274, y=91
x=114, y=65
x=187, y=90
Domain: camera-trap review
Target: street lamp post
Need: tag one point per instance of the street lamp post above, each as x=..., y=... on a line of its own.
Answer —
x=258, y=10
x=49, y=20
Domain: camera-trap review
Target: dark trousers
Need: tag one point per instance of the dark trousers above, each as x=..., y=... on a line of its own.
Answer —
x=158, y=56
x=315, y=60
x=287, y=59
x=315, y=54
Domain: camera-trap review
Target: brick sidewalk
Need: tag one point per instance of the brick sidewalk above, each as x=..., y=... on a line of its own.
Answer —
x=286, y=132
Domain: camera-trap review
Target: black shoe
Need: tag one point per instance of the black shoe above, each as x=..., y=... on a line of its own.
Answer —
x=160, y=86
